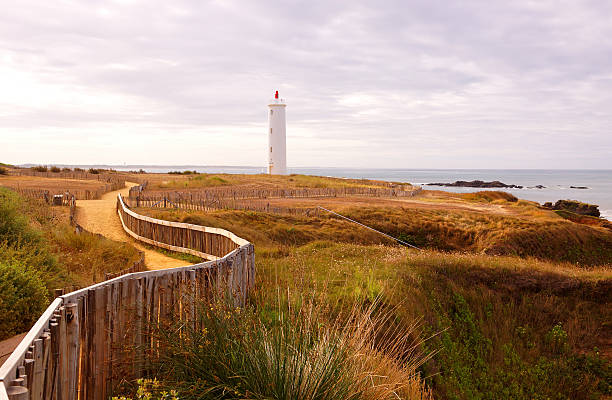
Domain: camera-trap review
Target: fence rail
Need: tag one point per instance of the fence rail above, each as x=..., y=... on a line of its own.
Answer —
x=277, y=193
x=88, y=341
x=253, y=200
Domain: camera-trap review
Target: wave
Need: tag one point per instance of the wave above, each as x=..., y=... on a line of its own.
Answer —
x=607, y=214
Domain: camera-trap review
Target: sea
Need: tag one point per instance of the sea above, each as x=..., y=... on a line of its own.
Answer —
x=557, y=183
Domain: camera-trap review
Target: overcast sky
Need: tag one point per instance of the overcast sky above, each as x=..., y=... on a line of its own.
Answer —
x=390, y=84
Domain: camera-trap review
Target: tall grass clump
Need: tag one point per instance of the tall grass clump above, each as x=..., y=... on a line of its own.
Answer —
x=288, y=354
x=3, y=171
x=18, y=240
x=85, y=257
x=40, y=168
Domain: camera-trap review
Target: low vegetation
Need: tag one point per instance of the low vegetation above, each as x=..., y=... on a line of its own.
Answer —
x=3, y=171
x=510, y=304
x=23, y=297
x=40, y=252
x=282, y=352
x=40, y=168
x=500, y=327
x=544, y=237
x=513, y=305
x=192, y=180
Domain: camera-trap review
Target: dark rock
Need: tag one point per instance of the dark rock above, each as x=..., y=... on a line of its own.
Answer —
x=477, y=184
x=578, y=187
x=537, y=187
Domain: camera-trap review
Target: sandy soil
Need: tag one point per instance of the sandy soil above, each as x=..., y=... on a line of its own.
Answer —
x=100, y=216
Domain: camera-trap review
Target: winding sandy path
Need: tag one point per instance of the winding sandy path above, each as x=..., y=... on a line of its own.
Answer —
x=100, y=216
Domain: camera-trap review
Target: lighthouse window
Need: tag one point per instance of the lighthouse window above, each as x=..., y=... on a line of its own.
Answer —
x=271, y=112
x=270, y=149
x=270, y=131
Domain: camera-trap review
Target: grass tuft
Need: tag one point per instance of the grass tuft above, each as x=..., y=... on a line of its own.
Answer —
x=289, y=353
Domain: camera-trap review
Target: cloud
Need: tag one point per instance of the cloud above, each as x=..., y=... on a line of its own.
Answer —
x=417, y=84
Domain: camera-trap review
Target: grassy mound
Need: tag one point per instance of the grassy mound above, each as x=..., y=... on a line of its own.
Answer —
x=192, y=180
x=448, y=230
x=501, y=327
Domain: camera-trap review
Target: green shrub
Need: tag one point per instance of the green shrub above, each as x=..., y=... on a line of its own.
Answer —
x=23, y=297
x=13, y=225
x=40, y=168
x=21, y=243
x=77, y=169
x=93, y=171
x=55, y=169
x=66, y=169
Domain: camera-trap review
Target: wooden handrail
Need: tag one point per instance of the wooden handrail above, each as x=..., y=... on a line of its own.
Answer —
x=77, y=348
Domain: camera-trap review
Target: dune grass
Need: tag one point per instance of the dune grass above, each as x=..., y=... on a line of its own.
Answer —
x=196, y=181
x=501, y=327
x=284, y=352
x=542, y=236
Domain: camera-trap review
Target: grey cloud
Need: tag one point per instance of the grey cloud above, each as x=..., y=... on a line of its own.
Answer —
x=474, y=77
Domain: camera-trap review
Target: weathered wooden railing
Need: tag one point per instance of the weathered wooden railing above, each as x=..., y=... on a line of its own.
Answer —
x=90, y=340
x=107, y=182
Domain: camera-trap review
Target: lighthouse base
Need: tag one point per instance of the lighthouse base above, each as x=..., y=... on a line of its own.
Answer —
x=274, y=170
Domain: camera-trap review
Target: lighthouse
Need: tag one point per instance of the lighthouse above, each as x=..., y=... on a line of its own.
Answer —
x=277, y=142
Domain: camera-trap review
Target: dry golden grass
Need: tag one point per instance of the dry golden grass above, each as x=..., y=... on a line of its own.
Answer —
x=545, y=235
x=541, y=328
x=51, y=184
x=199, y=181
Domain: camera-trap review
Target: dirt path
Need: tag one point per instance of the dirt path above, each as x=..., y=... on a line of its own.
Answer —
x=7, y=346
x=100, y=216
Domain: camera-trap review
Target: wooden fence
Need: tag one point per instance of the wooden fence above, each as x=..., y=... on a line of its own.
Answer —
x=110, y=181
x=220, y=204
x=253, y=200
x=89, y=341
x=220, y=193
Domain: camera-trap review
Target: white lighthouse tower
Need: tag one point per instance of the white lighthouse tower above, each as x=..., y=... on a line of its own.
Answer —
x=277, y=132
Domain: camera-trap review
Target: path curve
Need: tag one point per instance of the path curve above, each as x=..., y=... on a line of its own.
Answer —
x=100, y=216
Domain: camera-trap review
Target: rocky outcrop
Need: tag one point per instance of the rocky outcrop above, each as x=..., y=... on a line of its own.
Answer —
x=477, y=184
x=574, y=206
